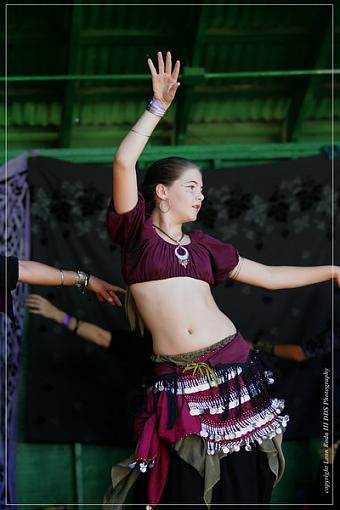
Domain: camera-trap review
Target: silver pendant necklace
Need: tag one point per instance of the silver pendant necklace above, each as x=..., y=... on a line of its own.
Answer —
x=183, y=258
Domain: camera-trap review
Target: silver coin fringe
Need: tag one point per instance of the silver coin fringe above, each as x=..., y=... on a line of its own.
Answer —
x=188, y=385
x=228, y=435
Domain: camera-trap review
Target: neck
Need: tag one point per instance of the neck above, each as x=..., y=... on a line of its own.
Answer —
x=166, y=223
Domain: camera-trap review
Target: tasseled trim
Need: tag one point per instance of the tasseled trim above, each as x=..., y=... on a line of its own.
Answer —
x=233, y=402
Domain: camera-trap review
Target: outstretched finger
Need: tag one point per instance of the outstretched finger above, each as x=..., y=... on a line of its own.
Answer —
x=111, y=297
x=175, y=72
x=168, y=64
x=160, y=62
x=32, y=305
x=114, y=297
x=152, y=67
x=32, y=301
x=117, y=289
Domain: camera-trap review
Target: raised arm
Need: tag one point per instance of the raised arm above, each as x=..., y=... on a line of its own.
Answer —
x=164, y=85
x=282, y=277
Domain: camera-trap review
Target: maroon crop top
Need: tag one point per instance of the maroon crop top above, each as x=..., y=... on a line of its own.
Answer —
x=147, y=256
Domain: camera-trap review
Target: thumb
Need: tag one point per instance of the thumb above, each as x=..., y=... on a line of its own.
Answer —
x=174, y=88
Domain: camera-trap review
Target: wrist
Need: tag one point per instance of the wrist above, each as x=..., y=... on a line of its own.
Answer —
x=82, y=280
x=157, y=107
x=162, y=103
x=57, y=315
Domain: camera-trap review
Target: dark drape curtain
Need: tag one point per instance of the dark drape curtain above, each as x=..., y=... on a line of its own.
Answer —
x=78, y=391
x=276, y=214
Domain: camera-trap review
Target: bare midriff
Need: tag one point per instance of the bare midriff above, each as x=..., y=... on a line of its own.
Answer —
x=181, y=314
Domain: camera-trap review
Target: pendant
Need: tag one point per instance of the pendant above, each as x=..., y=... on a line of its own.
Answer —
x=182, y=259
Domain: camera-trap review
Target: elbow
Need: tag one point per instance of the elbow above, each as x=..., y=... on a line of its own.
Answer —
x=118, y=162
x=122, y=162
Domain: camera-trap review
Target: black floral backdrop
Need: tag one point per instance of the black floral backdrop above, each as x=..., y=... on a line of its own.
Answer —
x=277, y=214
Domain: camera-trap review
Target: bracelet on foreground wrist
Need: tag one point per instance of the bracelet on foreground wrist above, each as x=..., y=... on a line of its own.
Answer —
x=156, y=108
x=82, y=280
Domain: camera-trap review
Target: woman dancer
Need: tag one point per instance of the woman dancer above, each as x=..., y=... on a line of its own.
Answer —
x=210, y=431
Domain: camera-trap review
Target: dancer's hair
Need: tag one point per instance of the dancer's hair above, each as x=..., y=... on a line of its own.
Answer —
x=164, y=171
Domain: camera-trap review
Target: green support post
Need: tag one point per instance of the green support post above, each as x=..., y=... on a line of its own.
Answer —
x=71, y=86
x=191, y=76
x=320, y=55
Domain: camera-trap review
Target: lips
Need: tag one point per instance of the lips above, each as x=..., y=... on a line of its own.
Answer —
x=197, y=207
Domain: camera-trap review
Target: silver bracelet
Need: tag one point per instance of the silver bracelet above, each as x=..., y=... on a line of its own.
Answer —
x=82, y=280
x=134, y=131
x=154, y=111
x=156, y=108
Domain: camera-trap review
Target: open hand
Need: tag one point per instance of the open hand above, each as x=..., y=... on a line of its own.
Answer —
x=105, y=291
x=41, y=306
x=164, y=82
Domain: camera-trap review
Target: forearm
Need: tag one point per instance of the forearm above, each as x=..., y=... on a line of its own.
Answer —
x=134, y=143
x=289, y=351
x=289, y=277
x=86, y=330
x=37, y=273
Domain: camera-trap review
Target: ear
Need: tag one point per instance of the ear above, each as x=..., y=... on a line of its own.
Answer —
x=161, y=191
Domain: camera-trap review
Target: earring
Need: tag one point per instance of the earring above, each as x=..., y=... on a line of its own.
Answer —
x=160, y=207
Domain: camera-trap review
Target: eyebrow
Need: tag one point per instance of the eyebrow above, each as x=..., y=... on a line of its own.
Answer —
x=193, y=182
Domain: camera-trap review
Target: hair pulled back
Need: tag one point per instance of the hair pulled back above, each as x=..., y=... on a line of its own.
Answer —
x=164, y=171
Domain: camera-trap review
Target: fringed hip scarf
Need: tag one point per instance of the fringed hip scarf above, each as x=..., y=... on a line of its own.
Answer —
x=221, y=396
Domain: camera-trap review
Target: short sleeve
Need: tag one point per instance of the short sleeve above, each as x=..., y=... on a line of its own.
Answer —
x=125, y=228
x=224, y=257
x=12, y=272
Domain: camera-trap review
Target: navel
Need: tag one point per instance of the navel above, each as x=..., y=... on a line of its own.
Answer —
x=190, y=331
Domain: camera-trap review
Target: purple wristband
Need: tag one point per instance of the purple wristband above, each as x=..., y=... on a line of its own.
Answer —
x=66, y=320
x=158, y=104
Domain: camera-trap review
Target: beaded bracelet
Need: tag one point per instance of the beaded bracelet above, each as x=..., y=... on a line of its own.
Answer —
x=66, y=320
